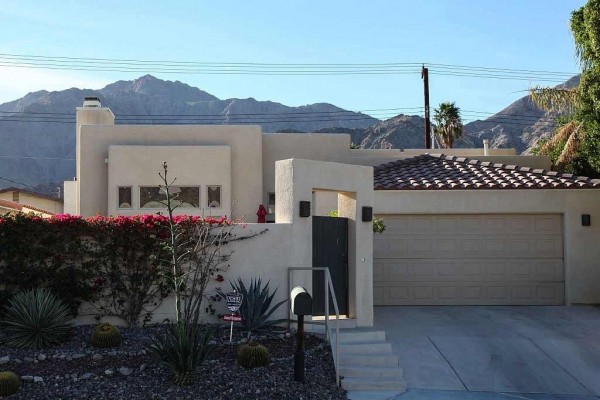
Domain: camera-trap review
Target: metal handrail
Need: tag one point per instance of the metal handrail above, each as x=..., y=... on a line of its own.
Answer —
x=328, y=289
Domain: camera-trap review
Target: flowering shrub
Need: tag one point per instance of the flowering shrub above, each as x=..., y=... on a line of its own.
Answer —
x=117, y=264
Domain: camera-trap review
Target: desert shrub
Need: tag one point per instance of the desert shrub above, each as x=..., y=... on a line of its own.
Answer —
x=182, y=348
x=36, y=319
x=257, y=306
x=253, y=355
x=378, y=224
x=106, y=335
x=52, y=253
x=9, y=383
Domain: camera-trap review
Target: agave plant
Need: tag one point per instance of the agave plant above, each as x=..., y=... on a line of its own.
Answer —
x=36, y=319
x=181, y=348
x=256, y=309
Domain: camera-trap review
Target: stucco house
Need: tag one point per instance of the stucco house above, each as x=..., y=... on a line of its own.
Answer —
x=32, y=200
x=492, y=228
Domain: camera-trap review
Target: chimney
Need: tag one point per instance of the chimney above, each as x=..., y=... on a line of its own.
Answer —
x=486, y=147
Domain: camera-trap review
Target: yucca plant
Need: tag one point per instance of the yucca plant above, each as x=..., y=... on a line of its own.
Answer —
x=36, y=319
x=181, y=349
x=256, y=309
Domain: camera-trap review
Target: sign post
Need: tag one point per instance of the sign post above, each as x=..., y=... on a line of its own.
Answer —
x=234, y=302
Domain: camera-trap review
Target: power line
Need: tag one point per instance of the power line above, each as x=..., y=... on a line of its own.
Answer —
x=253, y=68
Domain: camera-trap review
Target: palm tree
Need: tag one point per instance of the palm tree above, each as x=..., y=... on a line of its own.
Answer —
x=448, y=123
x=564, y=146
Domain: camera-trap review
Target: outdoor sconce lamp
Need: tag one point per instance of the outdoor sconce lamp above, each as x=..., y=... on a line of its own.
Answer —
x=586, y=220
x=367, y=214
x=305, y=209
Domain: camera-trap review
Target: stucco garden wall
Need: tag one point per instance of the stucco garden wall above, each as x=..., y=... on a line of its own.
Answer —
x=267, y=256
x=581, y=244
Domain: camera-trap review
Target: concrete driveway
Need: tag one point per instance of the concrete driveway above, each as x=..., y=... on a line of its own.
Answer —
x=459, y=352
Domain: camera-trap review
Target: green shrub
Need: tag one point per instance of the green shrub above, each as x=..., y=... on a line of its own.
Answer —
x=253, y=355
x=36, y=319
x=9, y=383
x=378, y=224
x=106, y=335
x=256, y=309
x=181, y=349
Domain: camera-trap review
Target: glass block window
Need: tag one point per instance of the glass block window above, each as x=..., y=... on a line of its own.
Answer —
x=214, y=196
x=124, y=197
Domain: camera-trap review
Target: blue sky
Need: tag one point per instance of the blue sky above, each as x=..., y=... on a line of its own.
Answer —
x=515, y=34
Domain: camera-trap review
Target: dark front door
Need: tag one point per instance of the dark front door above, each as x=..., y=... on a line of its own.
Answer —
x=330, y=250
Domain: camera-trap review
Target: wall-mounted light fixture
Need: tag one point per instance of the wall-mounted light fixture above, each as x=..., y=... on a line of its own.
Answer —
x=367, y=214
x=305, y=209
x=586, y=220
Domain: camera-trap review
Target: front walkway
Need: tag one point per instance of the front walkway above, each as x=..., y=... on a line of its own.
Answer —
x=486, y=351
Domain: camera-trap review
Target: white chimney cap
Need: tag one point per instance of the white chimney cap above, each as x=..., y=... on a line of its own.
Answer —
x=91, y=102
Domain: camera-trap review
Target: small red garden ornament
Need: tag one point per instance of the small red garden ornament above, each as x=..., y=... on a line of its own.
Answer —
x=262, y=213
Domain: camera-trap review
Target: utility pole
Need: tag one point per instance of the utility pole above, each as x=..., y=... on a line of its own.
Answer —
x=425, y=77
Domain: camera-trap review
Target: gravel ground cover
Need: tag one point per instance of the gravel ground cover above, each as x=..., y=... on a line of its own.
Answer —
x=76, y=370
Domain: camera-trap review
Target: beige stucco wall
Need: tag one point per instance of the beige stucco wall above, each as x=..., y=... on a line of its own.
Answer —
x=202, y=166
x=266, y=256
x=295, y=181
x=246, y=159
x=70, y=197
x=53, y=206
x=581, y=244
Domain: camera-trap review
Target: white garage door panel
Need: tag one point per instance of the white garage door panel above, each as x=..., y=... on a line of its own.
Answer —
x=469, y=259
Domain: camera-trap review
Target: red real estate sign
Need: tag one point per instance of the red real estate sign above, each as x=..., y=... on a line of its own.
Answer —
x=232, y=317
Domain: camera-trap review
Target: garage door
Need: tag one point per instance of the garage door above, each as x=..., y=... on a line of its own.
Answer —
x=469, y=259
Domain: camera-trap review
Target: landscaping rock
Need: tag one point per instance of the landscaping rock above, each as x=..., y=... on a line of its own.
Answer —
x=77, y=356
x=27, y=378
x=125, y=371
x=4, y=360
x=109, y=372
x=42, y=357
x=38, y=379
x=96, y=357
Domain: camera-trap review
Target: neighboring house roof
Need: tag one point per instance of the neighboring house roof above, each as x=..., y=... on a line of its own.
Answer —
x=441, y=172
x=29, y=192
x=19, y=207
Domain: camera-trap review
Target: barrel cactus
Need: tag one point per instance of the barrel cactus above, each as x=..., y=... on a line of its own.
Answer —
x=9, y=383
x=253, y=355
x=106, y=335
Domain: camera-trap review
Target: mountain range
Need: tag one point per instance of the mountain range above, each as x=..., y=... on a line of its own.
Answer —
x=38, y=131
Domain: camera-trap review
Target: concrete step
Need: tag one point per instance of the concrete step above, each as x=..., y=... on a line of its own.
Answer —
x=344, y=323
x=364, y=347
x=355, y=383
x=373, y=359
x=358, y=335
x=372, y=394
x=370, y=371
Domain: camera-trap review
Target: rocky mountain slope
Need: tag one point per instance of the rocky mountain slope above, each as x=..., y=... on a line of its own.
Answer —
x=38, y=130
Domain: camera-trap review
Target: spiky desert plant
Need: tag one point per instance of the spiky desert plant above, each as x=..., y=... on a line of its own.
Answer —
x=36, y=319
x=106, y=335
x=253, y=355
x=181, y=348
x=257, y=306
x=9, y=383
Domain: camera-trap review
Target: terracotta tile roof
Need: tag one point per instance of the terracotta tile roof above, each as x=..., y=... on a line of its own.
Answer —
x=19, y=207
x=441, y=172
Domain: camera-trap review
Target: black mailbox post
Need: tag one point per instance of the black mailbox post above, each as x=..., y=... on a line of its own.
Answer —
x=301, y=303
